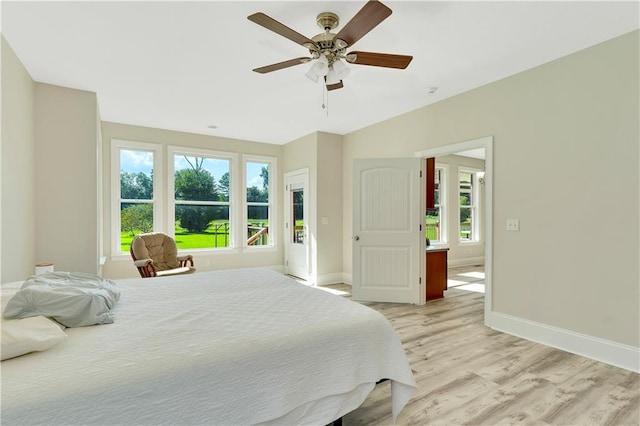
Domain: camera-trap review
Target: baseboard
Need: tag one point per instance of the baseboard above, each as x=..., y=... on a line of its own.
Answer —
x=347, y=278
x=617, y=354
x=467, y=261
x=326, y=279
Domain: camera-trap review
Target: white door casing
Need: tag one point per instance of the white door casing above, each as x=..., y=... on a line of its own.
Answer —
x=388, y=242
x=297, y=235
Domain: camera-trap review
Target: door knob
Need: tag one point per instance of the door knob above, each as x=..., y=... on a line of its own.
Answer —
x=356, y=238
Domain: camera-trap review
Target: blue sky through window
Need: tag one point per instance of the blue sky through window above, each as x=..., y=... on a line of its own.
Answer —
x=142, y=161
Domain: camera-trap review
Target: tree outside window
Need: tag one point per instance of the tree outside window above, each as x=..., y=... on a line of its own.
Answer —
x=136, y=194
x=258, y=197
x=201, y=201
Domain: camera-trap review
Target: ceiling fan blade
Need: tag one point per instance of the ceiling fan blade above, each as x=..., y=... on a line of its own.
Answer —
x=275, y=26
x=335, y=86
x=281, y=65
x=364, y=21
x=379, y=59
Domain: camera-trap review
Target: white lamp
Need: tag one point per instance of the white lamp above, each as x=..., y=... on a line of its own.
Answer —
x=319, y=68
x=332, y=77
x=342, y=71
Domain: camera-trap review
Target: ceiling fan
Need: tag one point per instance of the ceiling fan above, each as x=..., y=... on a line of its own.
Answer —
x=329, y=49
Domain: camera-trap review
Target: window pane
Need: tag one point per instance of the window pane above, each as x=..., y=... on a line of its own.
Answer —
x=465, y=180
x=136, y=175
x=433, y=224
x=465, y=224
x=201, y=179
x=135, y=218
x=297, y=201
x=257, y=182
x=257, y=225
x=201, y=226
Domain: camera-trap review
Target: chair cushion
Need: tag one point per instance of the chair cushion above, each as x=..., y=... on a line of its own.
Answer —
x=177, y=271
x=158, y=247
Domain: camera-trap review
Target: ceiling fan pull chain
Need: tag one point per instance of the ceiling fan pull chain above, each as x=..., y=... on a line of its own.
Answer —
x=326, y=91
x=322, y=91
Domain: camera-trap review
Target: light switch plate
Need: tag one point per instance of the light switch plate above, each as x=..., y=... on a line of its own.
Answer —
x=325, y=220
x=513, y=224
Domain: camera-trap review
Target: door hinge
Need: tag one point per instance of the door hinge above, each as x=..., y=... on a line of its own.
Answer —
x=421, y=227
x=420, y=280
x=420, y=173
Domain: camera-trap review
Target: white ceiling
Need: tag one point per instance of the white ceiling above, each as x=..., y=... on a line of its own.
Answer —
x=187, y=65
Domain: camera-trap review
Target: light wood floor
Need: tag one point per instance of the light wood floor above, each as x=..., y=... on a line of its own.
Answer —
x=469, y=374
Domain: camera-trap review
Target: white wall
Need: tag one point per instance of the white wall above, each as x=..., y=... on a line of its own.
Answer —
x=566, y=164
x=121, y=265
x=18, y=217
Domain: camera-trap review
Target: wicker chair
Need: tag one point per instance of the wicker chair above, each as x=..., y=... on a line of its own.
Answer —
x=156, y=255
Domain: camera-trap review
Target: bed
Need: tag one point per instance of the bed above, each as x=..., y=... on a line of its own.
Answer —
x=234, y=347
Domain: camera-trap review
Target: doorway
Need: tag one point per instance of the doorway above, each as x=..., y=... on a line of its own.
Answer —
x=485, y=144
x=297, y=224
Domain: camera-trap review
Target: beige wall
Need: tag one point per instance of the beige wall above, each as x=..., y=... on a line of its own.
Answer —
x=121, y=266
x=321, y=154
x=329, y=202
x=566, y=164
x=18, y=212
x=66, y=178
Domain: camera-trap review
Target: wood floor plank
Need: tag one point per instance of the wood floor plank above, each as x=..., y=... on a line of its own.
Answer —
x=469, y=374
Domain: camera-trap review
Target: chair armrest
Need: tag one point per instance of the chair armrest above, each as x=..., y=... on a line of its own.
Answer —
x=146, y=268
x=186, y=260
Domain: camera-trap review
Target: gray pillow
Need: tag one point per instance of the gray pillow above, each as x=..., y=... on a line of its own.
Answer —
x=74, y=299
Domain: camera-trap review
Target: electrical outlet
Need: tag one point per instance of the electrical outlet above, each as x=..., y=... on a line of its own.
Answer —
x=513, y=224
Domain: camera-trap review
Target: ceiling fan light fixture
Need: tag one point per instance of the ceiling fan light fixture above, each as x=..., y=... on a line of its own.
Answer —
x=318, y=69
x=332, y=77
x=342, y=71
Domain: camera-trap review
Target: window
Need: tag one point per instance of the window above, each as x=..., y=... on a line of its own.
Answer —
x=468, y=194
x=201, y=209
x=436, y=218
x=259, y=178
x=200, y=197
x=135, y=184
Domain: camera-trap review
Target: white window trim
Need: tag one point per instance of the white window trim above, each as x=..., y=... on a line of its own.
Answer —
x=273, y=202
x=233, y=196
x=158, y=205
x=475, y=206
x=444, y=193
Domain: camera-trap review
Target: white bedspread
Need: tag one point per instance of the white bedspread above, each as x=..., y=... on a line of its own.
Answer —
x=234, y=347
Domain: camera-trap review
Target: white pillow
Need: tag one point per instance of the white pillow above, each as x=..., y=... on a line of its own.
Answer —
x=21, y=336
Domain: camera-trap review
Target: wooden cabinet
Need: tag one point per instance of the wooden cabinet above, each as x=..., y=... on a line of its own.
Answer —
x=436, y=272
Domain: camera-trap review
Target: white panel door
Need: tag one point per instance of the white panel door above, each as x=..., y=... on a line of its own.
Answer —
x=388, y=241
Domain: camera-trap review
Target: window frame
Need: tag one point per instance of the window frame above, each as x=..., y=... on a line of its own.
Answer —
x=172, y=151
x=442, y=205
x=474, y=206
x=118, y=145
x=271, y=205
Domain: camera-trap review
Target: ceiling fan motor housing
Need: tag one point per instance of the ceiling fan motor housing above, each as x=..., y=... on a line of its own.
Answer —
x=326, y=41
x=327, y=20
